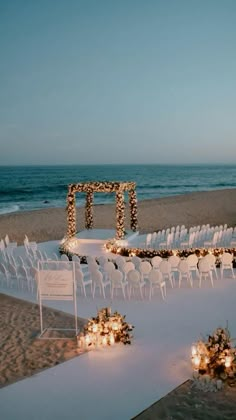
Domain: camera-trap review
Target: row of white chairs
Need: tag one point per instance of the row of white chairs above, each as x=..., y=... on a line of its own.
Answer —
x=197, y=236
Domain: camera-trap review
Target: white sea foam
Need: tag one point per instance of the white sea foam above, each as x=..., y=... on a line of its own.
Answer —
x=11, y=208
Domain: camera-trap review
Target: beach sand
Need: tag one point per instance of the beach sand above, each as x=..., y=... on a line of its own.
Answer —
x=22, y=354
x=213, y=207
x=188, y=403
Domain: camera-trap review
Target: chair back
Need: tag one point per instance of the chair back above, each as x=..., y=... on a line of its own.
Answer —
x=97, y=277
x=226, y=258
x=165, y=267
x=192, y=260
x=145, y=267
x=136, y=261
x=128, y=266
x=116, y=277
x=204, y=266
x=64, y=257
x=183, y=266
x=174, y=261
x=155, y=261
x=108, y=267
x=134, y=277
x=155, y=276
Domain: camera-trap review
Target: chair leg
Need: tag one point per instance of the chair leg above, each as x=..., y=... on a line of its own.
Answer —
x=162, y=294
x=200, y=280
x=150, y=291
x=180, y=278
x=211, y=279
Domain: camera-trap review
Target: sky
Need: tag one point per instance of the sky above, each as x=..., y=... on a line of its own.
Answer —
x=95, y=81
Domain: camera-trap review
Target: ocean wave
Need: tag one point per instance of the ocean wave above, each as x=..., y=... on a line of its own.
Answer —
x=11, y=208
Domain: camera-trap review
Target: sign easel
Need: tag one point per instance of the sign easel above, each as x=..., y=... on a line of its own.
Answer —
x=56, y=284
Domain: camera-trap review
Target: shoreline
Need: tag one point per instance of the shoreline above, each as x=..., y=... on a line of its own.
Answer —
x=214, y=207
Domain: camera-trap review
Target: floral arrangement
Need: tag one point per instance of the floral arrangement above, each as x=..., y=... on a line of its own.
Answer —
x=105, y=329
x=216, y=355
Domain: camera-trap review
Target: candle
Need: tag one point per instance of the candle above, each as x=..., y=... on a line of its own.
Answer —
x=194, y=350
x=115, y=326
x=95, y=328
x=87, y=340
x=112, y=339
x=228, y=361
x=196, y=361
x=104, y=340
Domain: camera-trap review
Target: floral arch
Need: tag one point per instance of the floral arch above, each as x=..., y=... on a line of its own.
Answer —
x=108, y=187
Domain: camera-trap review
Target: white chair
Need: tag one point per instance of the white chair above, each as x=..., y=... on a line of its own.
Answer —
x=4, y=274
x=23, y=278
x=156, y=281
x=205, y=271
x=98, y=282
x=117, y=282
x=128, y=266
x=108, y=268
x=102, y=260
x=13, y=274
x=64, y=257
x=135, y=282
x=81, y=282
x=165, y=269
x=212, y=261
x=120, y=261
x=174, y=261
x=156, y=261
x=144, y=269
x=192, y=261
x=76, y=258
x=8, y=243
x=136, y=261
x=226, y=264
x=184, y=272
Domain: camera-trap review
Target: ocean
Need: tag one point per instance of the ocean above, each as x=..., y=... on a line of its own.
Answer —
x=35, y=187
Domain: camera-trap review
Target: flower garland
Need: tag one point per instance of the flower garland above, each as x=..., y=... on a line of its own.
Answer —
x=105, y=329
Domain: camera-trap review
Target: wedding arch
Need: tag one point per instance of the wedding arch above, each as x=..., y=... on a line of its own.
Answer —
x=106, y=187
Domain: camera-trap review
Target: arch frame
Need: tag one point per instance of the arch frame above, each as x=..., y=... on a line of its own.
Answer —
x=106, y=187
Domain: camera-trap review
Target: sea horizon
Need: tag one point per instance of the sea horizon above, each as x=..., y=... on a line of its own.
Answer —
x=33, y=187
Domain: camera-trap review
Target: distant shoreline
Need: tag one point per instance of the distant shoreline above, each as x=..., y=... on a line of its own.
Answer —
x=197, y=208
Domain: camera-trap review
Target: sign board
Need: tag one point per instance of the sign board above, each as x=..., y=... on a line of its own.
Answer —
x=56, y=284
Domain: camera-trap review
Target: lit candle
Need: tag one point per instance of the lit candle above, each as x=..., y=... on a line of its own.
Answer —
x=228, y=361
x=207, y=360
x=196, y=361
x=95, y=328
x=194, y=350
x=87, y=340
x=112, y=339
x=115, y=326
x=104, y=340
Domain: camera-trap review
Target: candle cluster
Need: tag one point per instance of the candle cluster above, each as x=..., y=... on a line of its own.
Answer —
x=105, y=329
x=215, y=356
x=107, y=187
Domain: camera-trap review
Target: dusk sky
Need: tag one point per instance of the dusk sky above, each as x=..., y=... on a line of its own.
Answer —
x=117, y=81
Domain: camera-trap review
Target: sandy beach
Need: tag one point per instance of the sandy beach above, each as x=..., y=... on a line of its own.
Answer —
x=214, y=207
x=22, y=353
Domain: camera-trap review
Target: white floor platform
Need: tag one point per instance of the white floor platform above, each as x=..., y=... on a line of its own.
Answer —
x=117, y=383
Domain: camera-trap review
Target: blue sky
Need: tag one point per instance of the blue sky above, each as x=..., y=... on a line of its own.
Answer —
x=117, y=82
